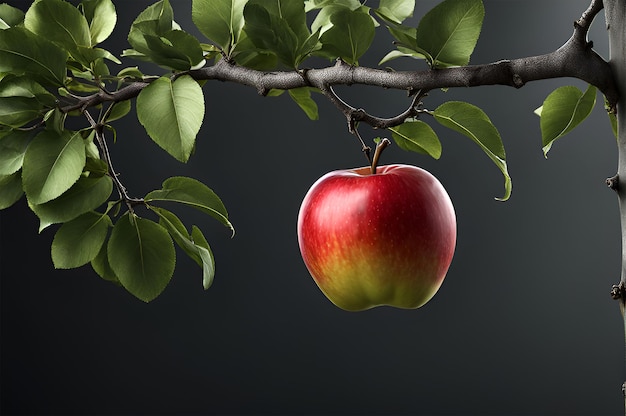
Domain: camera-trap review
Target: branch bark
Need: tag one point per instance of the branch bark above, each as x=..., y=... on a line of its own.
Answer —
x=575, y=58
x=615, y=11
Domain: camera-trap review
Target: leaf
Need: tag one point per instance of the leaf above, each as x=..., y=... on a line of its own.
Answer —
x=449, y=31
x=78, y=242
x=101, y=16
x=172, y=113
x=208, y=262
x=17, y=111
x=12, y=149
x=142, y=256
x=193, y=193
x=279, y=26
x=350, y=36
x=302, y=97
x=100, y=264
x=155, y=37
x=90, y=56
x=52, y=164
x=563, y=110
x=22, y=100
x=10, y=16
x=152, y=39
x=10, y=189
x=195, y=246
x=160, y=14
x=322, y=21
x=472, y=122
x=174, y=49
x=119, y=110
x=396, y=10
x=417, y=136
x=23, y=52
x=406, y=44
x=12, y=86
x=85, y=195
x=219, y=20
x=321, y=4
x=60, y=22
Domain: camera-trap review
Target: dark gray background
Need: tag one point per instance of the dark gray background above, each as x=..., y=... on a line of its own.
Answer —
x=523, y=323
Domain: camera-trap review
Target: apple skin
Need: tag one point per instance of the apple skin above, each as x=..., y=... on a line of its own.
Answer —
x=377, y=239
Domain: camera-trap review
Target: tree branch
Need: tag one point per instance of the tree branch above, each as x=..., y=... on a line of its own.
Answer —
x=104, y=150
x=575, y=58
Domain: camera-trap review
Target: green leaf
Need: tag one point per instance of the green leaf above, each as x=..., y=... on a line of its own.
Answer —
x=119, y=110
x=193, y=193
x=55, y=120
x=52, y=164
x=195, y=245
x=101, y=16
x=563, y=110
x=417, y=136
x=12, y=86
x=155, y=37
x=10, y=16
x=302, y=97
x=472, y=122
x=78, y=242
x=22, y=100
x=174, y=49
x=450, y=30
x=24, y=53
x=220, y=21
x=160, y=14
x=17, y=111
x=322, y=4
x=322, y=21
x=208, y=262
x=351, y=34
x=142, y=256
x=396, y=10
x=406, y=42
x=13, y=146
x=246, y=54
x=279, y=26
x=59, y=22
x=10, y=189
x=172, y=114
x=85, y=195
x=101, y=266
x=89, y=56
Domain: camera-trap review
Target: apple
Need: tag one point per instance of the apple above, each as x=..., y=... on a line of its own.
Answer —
x=383, y=238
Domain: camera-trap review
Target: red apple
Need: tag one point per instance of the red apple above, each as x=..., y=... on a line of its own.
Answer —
x=377, y=239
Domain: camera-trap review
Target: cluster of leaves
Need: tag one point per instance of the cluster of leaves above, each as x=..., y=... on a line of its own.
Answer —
x=48, y=57
x=50, y=65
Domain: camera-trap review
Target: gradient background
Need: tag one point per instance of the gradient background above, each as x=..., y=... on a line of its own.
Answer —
x=523, y=323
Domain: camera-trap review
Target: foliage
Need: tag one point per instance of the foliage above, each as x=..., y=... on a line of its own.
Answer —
x=50, y=64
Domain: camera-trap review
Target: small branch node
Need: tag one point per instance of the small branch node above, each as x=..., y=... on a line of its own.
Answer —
x=618, y=292
x=613, y=182
x=518, y=82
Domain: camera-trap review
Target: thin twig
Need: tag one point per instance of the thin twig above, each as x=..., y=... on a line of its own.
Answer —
x=104, y=152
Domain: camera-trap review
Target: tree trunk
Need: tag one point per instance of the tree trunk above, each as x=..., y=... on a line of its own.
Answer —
x=616, y=25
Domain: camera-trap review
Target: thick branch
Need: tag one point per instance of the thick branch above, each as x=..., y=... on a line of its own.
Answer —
x=575, y=58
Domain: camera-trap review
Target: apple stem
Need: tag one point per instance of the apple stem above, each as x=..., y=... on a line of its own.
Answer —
x=380, y=146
